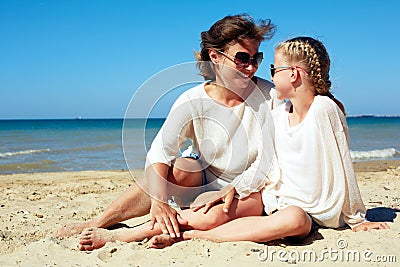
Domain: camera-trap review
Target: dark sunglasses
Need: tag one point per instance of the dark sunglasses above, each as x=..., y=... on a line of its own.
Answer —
x=243, y=59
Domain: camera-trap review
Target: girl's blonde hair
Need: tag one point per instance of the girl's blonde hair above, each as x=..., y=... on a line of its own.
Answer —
x=312, y=56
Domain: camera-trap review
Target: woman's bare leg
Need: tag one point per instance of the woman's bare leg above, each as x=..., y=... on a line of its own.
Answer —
x=292, y=221
x=93, y=238
x=134, y=202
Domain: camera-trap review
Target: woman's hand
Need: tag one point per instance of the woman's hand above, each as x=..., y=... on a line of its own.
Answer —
x=166, y=217
x=366, y=226
x=208, y=199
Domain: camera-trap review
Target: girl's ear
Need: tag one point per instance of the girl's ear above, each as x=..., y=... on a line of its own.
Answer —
x=294, y=75
x=213, y=55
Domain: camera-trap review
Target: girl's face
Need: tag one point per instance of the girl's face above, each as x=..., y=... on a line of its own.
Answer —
x=282, y=76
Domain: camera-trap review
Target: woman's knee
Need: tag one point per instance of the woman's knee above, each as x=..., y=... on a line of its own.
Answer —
x=186, y=172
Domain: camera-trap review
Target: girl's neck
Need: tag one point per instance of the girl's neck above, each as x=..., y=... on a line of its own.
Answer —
x=300, y=107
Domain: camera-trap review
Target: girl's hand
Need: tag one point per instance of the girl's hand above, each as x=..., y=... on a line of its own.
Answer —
x=208, y=199
x=366, y=226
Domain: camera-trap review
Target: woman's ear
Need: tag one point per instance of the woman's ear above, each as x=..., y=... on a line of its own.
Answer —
x=213, y=55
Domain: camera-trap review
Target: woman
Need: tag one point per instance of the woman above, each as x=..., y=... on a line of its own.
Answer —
x=227, y=110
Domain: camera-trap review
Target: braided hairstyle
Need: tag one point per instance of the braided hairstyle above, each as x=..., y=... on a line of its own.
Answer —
x=228, y=31
x=313, y=57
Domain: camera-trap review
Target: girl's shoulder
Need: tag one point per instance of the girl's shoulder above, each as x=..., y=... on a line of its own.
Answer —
x=281, y=110
x=326, y=111
x=325, y=104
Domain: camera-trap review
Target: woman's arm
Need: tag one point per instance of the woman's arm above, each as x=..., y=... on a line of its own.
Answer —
x=164, y=149
x=160, y=211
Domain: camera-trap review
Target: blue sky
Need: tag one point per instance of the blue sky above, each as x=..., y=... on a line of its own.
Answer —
x=63, y=59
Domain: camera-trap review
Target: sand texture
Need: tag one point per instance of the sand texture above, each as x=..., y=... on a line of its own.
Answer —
x=33, y=205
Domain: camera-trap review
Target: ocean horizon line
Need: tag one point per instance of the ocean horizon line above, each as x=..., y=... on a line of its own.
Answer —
x=80, y=118
x=163, y=118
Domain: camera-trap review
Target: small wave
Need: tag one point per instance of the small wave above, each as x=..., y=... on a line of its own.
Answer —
x=382, y=153
x=23, y=152
x=88, y=148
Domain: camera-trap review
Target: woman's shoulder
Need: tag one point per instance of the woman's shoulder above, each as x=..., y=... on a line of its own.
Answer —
x=264, y=84
x=267, y=88
x=197, y=90
x=189, y=96
x=193, y=93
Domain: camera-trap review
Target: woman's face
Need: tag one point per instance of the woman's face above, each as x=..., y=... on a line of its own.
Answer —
x=237, y=75
x=247, y=46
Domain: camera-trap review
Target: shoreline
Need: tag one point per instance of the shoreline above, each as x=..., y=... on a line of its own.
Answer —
x=375, y=165
x=34, y=204
x=359, y=166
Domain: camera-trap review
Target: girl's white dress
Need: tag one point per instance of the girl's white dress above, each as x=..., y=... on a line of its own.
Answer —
x=316, y=168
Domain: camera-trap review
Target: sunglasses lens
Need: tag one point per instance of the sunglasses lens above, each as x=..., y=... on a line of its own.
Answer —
x=242, y=58
x=257, y=59
x=245, y=59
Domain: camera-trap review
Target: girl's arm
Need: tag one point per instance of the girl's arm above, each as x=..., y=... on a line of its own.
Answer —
x=353, y=210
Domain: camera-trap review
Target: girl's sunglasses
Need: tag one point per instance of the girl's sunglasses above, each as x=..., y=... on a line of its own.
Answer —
x=274, y=69
x=243, y=59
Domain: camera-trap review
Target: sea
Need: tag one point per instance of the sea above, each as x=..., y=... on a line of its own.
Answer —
x=28, y=146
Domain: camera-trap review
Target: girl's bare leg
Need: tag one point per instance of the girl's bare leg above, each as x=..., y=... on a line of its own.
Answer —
x=249, y=206
x=292, y=221
x=93, y=238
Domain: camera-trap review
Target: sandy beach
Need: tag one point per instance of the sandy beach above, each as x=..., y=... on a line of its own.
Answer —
x=34, y=205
